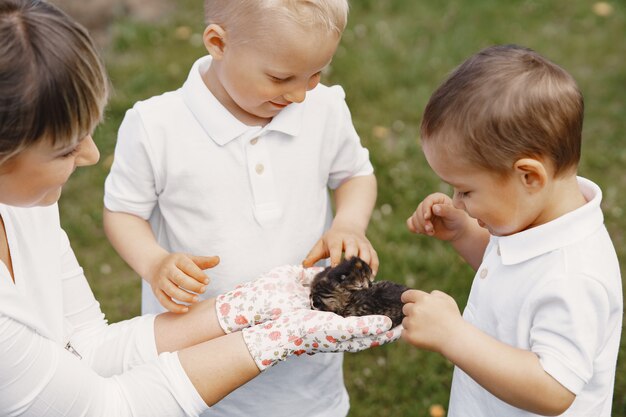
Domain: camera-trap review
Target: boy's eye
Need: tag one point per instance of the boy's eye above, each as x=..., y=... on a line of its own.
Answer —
x=462, y=194
x=70, y=153
x=277, y=79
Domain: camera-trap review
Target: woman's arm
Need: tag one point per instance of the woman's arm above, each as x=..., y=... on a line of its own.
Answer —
x=40, y=378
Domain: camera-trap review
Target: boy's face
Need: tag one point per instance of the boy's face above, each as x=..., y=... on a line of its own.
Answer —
x=500, y=205
x=255, y=80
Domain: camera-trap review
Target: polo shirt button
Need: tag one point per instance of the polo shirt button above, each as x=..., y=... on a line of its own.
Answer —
x=259, y=168
x=483, y=273
x=254, y=141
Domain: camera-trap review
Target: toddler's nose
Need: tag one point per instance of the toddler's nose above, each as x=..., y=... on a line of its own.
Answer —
x=296, y=95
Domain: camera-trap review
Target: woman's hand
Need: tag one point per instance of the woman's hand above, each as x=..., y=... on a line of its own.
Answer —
x=311, y=331
x=281, y=290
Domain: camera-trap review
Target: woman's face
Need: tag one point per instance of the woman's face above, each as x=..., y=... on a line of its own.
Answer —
x=35, y=176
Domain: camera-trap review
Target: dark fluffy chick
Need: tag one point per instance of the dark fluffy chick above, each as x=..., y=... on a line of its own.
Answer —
x=348, y=289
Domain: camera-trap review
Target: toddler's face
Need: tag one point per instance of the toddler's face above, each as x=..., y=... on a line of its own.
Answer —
x=260, y=78
x=500, y=205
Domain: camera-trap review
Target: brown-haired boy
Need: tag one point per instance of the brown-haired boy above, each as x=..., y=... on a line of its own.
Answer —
x=540, y=332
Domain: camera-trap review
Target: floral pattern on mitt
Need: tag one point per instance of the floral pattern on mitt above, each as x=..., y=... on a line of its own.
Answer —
x=280, y=290
x=311, y=331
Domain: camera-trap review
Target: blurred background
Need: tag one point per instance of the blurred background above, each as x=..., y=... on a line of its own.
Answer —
x=394, y=53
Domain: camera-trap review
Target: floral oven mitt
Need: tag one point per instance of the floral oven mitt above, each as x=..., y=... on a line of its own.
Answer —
x=311, y=331
x=282, y=289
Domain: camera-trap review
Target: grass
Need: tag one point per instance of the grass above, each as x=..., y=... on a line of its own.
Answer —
x=393, y=55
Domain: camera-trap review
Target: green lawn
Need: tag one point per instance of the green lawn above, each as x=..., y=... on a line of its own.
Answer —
x=393, y=55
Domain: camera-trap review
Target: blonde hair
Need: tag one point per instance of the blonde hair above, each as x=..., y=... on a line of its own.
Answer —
x=505, y=103
x=52, y=82
x=247, y=20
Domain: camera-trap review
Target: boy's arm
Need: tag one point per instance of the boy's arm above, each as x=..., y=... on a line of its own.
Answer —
x=133, y=239
x=354, y=203
x=515, y=376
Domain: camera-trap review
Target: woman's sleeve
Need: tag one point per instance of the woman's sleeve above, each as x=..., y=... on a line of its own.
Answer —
x=107, y=349
x=40, y=378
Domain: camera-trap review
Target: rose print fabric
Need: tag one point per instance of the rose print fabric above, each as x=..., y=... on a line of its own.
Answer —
x=282, y=289
x=311, y=331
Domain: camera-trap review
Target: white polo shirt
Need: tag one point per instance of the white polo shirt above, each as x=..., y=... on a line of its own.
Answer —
x=554, y=290
x=256, y=196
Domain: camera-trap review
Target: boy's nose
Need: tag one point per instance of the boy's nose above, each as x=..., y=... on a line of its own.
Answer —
x=88, y=153
x=296, y=95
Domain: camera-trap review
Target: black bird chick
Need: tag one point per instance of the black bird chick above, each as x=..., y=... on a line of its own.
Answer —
x=349, y=289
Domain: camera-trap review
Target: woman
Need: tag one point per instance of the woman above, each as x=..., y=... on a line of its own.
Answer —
x=58, y=357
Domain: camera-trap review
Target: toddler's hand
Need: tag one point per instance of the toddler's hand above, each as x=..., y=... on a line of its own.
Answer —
x=431, y=319
x=180, y=277
x=311, y=331
x=437, y=217
x=275, y=293
x=338, y=240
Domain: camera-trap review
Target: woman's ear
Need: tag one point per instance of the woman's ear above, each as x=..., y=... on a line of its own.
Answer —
x=532, y=173
x=214, y=38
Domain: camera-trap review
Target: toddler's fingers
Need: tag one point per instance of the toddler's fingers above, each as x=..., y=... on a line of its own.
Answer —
x=335, y=250
x=315, y=254
x=180, y=294
x=351, y=248
x=180, y=279
x=189, y=267
x=169, y=304
x=205, y=262
x=412, y=296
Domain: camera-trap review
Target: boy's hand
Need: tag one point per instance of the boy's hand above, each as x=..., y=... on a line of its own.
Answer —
x=180, y=277
x=431, y=319
x=437, y=217
x=338, y=240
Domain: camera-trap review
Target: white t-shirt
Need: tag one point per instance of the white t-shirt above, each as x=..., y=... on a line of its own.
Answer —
x=554, y=290
x=256, y=196
x=50, y=305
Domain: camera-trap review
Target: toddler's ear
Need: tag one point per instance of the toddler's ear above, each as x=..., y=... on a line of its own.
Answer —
x=532, y=173
x=214, y=38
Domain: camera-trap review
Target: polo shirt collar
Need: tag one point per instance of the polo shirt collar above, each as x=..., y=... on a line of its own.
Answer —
x=218, y=123
x=570, y=228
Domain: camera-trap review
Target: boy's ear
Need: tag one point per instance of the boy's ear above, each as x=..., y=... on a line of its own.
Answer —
x=214, y=38
x=532, y=173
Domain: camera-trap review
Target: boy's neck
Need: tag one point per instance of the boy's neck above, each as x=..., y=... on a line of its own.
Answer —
x=564, y=196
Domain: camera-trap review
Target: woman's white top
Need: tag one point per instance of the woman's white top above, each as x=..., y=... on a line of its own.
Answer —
x=58, y=356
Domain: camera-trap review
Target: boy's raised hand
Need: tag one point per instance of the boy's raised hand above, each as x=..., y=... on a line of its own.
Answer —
x=436, y=216
x=179, y=276
x=340, y=240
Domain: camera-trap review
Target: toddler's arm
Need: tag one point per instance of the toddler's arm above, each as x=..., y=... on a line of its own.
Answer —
x=354, y=202
x=173, y=276
x=433, y=322
x=436, y=216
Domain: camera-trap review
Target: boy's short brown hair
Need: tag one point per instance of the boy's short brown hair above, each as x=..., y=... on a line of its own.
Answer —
x=246, y=20
x=505, y=103
x=52, y=81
